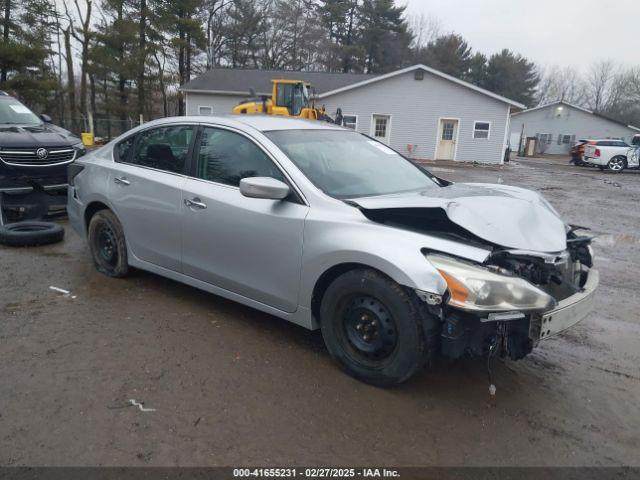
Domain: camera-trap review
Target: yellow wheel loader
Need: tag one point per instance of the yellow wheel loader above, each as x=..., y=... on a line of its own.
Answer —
x=289, y=98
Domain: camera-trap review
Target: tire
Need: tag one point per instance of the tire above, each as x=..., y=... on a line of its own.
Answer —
x=29, y=234
x=617, y=164
x=107, y=244
x=403, y=336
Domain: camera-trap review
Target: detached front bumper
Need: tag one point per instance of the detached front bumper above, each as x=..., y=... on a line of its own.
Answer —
x=568, y=312
x=32, y=202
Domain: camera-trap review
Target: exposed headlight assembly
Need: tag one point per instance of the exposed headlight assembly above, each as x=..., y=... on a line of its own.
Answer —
x=479, y=289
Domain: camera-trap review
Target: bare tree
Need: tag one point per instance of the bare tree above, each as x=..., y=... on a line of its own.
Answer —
x=561, y=84
x=83, y=36
x=425, y=29
x=599, y=81
x=217, y=18
x=5, y=34
x=71, y=78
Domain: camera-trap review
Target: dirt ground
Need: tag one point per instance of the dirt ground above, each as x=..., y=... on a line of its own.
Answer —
x=233, y=386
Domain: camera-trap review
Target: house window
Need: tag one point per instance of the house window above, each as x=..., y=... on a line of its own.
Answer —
x=380, y=130
x=481, y=129
x=350, y=121
x=566, y=139
x=447, y=130
x=205, y=110
x=545, y=138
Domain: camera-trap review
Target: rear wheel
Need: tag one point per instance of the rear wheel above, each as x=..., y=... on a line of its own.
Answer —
x=617, y=164
x=377, y=330
x=107, y=244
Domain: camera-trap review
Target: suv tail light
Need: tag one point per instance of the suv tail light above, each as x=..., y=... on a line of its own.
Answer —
x=72, y=171
x=597, y=152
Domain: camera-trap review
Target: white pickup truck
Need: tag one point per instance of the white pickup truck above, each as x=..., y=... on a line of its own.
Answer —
x=611, y=154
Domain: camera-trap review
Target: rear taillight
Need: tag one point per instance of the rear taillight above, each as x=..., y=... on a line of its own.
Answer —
x=72, y=171
x=597, y=152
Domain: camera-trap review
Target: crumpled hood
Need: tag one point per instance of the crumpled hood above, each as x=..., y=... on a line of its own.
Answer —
x=46, y=135
x=511, y=217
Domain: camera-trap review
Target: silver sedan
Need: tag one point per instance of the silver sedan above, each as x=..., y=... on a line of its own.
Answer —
x=330, y=229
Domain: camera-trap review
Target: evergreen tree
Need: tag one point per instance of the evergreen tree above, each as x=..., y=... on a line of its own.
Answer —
x=450, y=54
x=512, y=76
x=477, y=73
x=385, y=36
x=25, y=67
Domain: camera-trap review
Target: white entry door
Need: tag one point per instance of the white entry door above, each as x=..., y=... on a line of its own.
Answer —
x=381, y=128
x=447, y=138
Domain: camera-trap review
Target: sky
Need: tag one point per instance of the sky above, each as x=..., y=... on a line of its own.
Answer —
x=549, y=32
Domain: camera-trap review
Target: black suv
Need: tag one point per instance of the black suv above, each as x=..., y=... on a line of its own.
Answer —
x=34, y=155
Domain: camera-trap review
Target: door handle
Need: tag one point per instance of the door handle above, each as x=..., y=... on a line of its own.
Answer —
x=195, y=203
x=122, y=181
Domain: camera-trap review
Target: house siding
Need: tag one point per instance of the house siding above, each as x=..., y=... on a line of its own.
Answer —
x=220, y=104
x=568, y=121
x=416, y=106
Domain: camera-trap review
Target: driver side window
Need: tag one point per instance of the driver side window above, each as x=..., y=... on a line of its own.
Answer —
x=227, y=157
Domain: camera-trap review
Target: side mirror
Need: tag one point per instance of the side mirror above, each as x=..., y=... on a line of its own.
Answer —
x=45, y=118
x=264, y=187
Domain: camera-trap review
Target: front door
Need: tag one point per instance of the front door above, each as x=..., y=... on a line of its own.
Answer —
x=381, y=128
x=249, y=246
x=145, y=188
x=447, y=138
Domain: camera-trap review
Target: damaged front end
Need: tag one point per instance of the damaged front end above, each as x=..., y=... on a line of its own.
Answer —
x=515, y=299
x=537, y=279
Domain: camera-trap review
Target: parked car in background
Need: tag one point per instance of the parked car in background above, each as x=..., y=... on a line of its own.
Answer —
x=577, y=151
x=609, y=153
x=328, y=228
x=34, y=155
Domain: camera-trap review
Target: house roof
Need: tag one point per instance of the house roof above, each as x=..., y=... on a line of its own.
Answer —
x=238, y=81
x=433, y=71
x=577, y=107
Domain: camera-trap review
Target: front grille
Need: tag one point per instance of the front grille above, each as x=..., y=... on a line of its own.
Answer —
x=29, y=157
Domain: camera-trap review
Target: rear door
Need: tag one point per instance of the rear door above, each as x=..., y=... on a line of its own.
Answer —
x=249, y=246
x=145, y=189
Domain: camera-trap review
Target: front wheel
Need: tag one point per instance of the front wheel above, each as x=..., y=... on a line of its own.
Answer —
x=107, y=244
x=617, y=164
x=378, y=331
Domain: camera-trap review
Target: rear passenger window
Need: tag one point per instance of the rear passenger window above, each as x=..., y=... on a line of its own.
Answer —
x=227, y=157
x=163, y=148
x=123, y=149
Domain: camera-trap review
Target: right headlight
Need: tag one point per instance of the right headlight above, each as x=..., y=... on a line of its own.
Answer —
x=479, y=289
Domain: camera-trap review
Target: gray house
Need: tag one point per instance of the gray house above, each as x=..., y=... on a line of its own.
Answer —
x=559, y=125
x=421, y=112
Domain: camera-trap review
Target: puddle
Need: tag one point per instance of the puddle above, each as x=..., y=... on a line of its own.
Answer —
x=610, y=240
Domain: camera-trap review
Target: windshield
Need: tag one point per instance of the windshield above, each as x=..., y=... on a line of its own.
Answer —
x=12, y=112
x=348, y=164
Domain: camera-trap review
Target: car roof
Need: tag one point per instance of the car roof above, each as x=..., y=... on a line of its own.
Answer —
x=262, y=123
